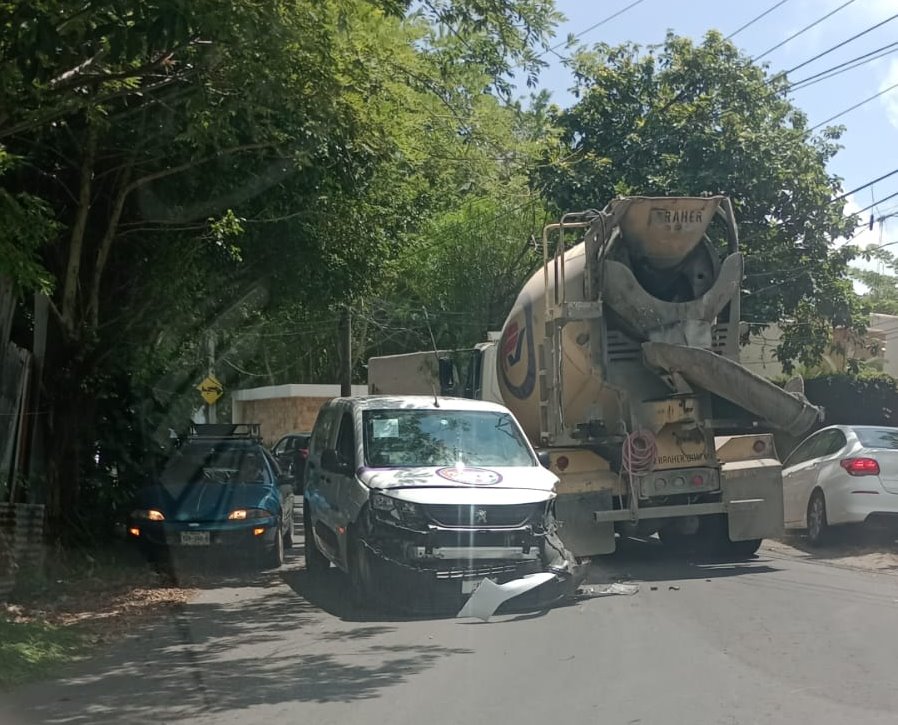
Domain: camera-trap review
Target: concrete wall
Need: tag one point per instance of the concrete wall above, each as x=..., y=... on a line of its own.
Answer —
x=886, y=327
x=282, y=409
x=758, y=356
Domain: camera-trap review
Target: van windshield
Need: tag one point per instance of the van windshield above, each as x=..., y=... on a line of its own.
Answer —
x=407, y=438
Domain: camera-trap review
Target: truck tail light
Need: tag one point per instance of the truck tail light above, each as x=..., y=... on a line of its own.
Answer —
x=860, y=466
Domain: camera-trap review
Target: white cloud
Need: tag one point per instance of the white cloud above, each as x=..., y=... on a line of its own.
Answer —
x=876, y=7
x=890, y=100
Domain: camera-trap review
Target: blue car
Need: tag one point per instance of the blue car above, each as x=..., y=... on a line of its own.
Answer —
x=221, y=491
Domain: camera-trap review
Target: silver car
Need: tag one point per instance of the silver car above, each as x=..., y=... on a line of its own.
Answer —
x=842, y=475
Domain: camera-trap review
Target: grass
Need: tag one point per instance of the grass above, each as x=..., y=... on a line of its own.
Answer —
x=31, y=650
x=79, y=600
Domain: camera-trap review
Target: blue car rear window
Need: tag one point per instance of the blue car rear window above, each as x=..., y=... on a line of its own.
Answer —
x=217, y=464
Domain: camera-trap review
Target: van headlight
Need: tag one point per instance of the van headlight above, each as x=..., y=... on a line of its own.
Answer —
x=397, y=510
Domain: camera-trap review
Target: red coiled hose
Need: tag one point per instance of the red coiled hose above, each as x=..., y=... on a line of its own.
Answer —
x=638, y=455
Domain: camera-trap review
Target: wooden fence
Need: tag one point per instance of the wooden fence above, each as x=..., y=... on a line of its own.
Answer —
x=21, y=543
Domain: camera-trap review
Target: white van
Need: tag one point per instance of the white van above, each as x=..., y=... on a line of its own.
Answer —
x=421, y=498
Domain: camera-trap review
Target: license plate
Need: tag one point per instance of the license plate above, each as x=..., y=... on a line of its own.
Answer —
x=195, y=538
x=469, y=585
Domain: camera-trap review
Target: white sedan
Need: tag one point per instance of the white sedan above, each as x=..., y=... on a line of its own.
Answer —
x=842, y=475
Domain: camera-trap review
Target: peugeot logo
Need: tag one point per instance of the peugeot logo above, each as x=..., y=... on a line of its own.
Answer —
x=479, y=516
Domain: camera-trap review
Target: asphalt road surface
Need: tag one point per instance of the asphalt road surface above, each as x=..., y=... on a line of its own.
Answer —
x=776, y=639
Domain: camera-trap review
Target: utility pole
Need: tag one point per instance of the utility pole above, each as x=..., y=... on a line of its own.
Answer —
x=210, y=408
x=345, y=351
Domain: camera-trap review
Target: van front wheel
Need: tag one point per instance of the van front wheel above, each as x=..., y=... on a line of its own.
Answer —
x=360, y=578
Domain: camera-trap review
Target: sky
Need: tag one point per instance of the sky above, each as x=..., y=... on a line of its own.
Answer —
x=871, y=137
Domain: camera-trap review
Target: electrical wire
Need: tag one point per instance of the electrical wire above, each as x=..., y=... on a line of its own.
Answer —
x=844, y=67
x=851, y=108
x=864, y=186
x=876, y=203
x=756, y=19
x=594, y=26
x=802, y=31
x=839, y=45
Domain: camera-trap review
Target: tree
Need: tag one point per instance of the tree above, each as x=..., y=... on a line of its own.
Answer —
x=881, y=293
x=172, y=168
x=685, y=118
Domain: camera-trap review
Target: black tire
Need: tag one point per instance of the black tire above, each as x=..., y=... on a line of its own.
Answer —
x=360, y=579
x=290, y=536
x=676, y=541
x=316, y=562
x=274, y=557
x=818, y=528
x=744, y=549
x=716, y=533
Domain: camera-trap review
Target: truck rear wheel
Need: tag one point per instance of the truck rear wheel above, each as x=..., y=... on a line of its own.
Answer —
x=678, y=541
x=715, y=533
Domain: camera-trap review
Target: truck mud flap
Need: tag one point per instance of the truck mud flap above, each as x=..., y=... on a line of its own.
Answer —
x=728, y=379
x=753, y=496
x=577, y=527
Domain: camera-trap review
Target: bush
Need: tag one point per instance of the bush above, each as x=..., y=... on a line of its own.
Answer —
x=870, y=398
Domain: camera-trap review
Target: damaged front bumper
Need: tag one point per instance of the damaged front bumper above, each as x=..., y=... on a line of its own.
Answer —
x=438, y=568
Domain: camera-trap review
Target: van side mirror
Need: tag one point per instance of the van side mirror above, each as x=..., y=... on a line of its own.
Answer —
x=545, y=460
x=331, y=461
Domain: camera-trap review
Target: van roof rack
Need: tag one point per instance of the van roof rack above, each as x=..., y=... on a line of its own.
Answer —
x=242, y=431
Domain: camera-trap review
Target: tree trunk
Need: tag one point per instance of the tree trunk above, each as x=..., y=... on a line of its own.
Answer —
x=72, y=280
x=67, y=425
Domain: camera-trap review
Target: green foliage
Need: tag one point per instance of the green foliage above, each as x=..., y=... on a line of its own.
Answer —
x=32, y=650
x=245, y=169
x=870, y=398
x=461, y=282
x=686, y=118
x=881, y=293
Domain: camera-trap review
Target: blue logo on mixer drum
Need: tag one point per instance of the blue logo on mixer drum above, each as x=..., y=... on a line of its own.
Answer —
x=518, y=361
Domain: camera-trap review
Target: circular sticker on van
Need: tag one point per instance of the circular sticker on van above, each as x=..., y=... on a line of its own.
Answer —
x=470, y=476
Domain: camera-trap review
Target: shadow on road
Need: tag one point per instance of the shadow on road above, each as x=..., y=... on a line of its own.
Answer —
x=246, y=640
x=330, y=592
x=649, y=560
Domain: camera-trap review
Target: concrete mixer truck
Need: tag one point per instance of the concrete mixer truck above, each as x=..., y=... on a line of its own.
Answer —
x=620, y=358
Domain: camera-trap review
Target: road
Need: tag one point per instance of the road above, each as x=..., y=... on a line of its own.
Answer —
x=777, y=639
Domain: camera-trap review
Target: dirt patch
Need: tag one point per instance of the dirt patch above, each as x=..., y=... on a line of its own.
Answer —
x=80, y=600
x=104, y=601
x=851, y=551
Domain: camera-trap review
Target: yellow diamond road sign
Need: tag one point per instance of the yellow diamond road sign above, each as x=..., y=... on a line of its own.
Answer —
x=211, y=389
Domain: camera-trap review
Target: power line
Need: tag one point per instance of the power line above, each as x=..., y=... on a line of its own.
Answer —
x=844, y=67
x=800, y=32
x=851, y=108
x=593, y=27
x=756, y=19
x=864, y=186
x=878, y=201
x=839, y=45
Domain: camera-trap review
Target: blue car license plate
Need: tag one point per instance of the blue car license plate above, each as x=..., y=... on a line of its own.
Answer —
x=195, y=538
